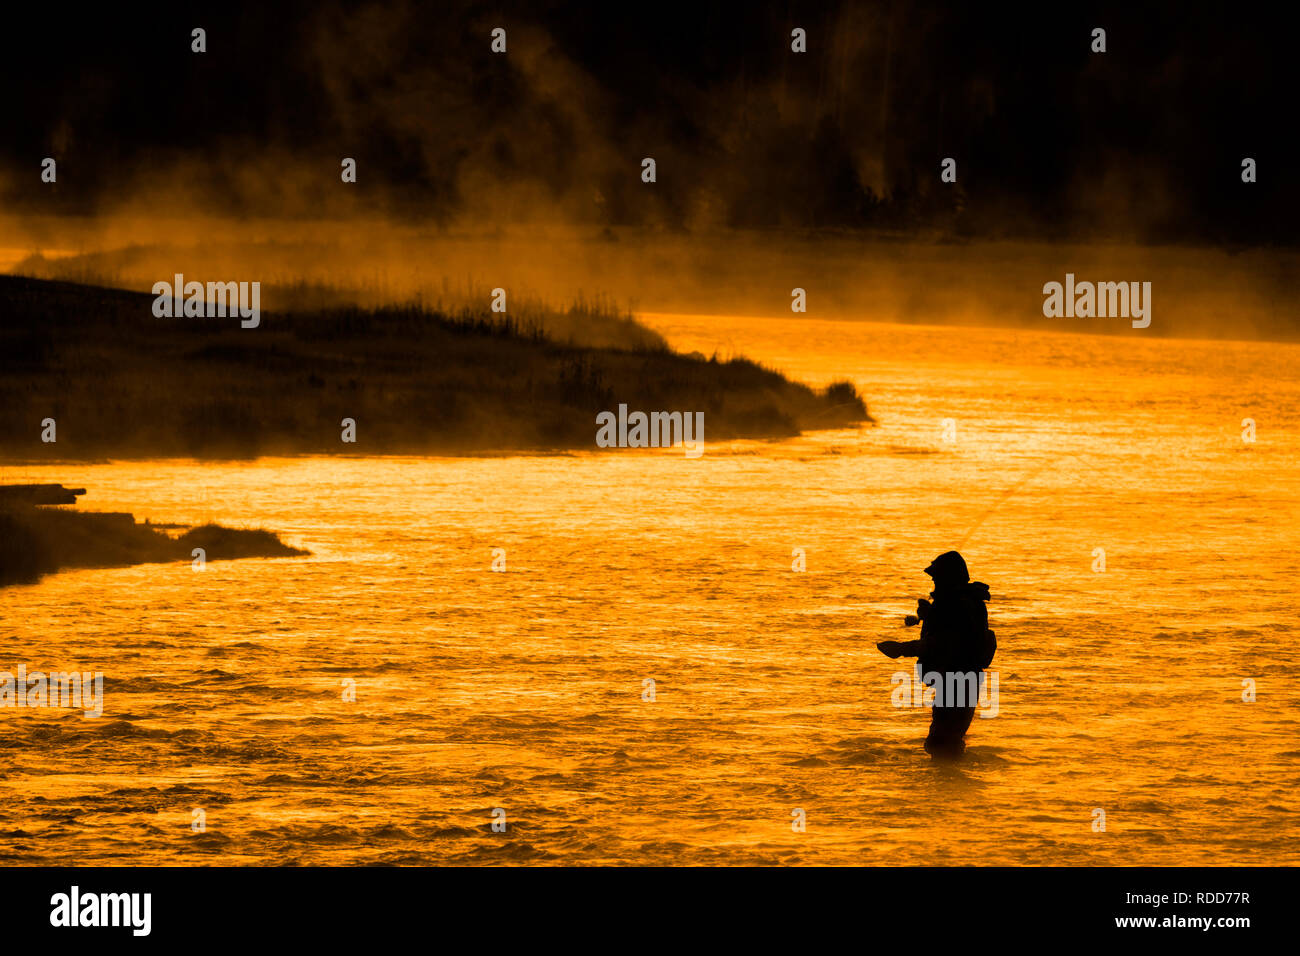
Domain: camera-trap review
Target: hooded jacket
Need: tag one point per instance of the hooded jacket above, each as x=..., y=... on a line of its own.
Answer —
x=955, y=634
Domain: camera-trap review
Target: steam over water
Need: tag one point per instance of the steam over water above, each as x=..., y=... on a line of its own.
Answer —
x=523, y=690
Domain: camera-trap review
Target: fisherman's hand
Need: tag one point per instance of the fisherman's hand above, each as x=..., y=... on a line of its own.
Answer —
x=911, y=620
x=890, y=648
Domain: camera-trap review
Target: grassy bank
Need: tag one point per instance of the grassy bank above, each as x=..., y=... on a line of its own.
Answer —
x=39, y=541
x=121, y=383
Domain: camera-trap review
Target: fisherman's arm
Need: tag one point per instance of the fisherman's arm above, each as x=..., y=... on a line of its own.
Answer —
x=899, y=648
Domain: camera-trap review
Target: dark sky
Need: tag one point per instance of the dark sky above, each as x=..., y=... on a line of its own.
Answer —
x=1144, y=141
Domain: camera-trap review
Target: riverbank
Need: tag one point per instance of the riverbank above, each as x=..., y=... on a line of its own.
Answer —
x=91, y=373
x=35, y=541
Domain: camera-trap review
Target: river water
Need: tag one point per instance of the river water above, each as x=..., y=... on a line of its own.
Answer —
x=1121, y=670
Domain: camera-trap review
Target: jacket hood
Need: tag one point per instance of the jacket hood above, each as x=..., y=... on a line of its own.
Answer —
x=948, y=568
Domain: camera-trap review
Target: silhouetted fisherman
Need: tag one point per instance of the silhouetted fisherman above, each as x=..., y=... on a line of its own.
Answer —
x=955, y=646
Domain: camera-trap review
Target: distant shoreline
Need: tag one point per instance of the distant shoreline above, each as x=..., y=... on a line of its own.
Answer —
x=1202, y=291
x=94, y=369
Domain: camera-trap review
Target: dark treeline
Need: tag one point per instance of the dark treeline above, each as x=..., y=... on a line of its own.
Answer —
x=1144, y=141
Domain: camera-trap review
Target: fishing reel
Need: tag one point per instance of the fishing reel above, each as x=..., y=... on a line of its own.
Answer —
x=922, y=608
